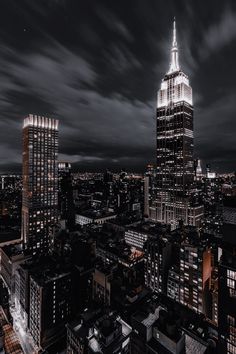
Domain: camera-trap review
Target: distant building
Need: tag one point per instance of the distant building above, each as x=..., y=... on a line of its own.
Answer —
x=198, y=169
x=146, y=196
x=65, y=196
x=211, y=190
x=149, y=189
x=208, y=169
x=40, y=181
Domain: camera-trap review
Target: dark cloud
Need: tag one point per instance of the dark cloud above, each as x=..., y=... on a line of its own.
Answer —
x=97, y=67
x=215, y=138
x=220, y=33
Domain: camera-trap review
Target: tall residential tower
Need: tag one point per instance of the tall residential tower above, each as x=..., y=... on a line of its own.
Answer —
x=175, y=164
x=40, y=181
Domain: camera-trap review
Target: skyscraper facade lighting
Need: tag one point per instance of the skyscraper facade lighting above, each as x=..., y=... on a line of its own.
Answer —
x=175, y=164
x=174, y=128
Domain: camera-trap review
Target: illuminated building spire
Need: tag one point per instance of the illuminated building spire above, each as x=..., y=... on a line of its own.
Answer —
x=174, y=60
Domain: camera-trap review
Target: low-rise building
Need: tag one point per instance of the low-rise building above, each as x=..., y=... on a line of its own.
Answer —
x=93, y=217
x=104, y=335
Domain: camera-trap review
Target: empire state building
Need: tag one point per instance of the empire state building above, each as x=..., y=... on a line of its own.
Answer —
x=175, y=163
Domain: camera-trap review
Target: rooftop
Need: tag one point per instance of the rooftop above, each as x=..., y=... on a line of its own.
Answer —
x=9, y=236
x=96, y=214
x=194, y=346
x=46, y=275
x=149, y=228
x=40, y=122
x=147, y=318
x=13, y=250
x=45, y=269
x=97, y=328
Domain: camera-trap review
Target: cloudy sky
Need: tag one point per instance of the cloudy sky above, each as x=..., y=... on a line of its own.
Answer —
x=97, y=66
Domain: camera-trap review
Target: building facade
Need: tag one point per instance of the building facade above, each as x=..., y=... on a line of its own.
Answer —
x=135, y=237
x=50, y=306
x=227, y=280
x=195, y=276
x=227, y=301
x=157, y=258
x=40, y=181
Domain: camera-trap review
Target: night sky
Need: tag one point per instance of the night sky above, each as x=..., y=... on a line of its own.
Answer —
x=97, y=65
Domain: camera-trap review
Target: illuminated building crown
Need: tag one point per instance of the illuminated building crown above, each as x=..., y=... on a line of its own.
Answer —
x=175, y=85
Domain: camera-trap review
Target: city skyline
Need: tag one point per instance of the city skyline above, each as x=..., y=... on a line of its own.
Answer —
x=98, y=72
x=115, y=261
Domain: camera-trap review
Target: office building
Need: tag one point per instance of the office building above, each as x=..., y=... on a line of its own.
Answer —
x=175, y=164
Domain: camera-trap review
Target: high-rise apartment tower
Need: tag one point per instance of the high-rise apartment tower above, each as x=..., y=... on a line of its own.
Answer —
x=40, y=181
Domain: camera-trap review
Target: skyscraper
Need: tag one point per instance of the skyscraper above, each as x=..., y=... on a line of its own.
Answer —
x=197, y=169
x=175, y=164
x=40, y=181
x=65, y=196
x=149, y=188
